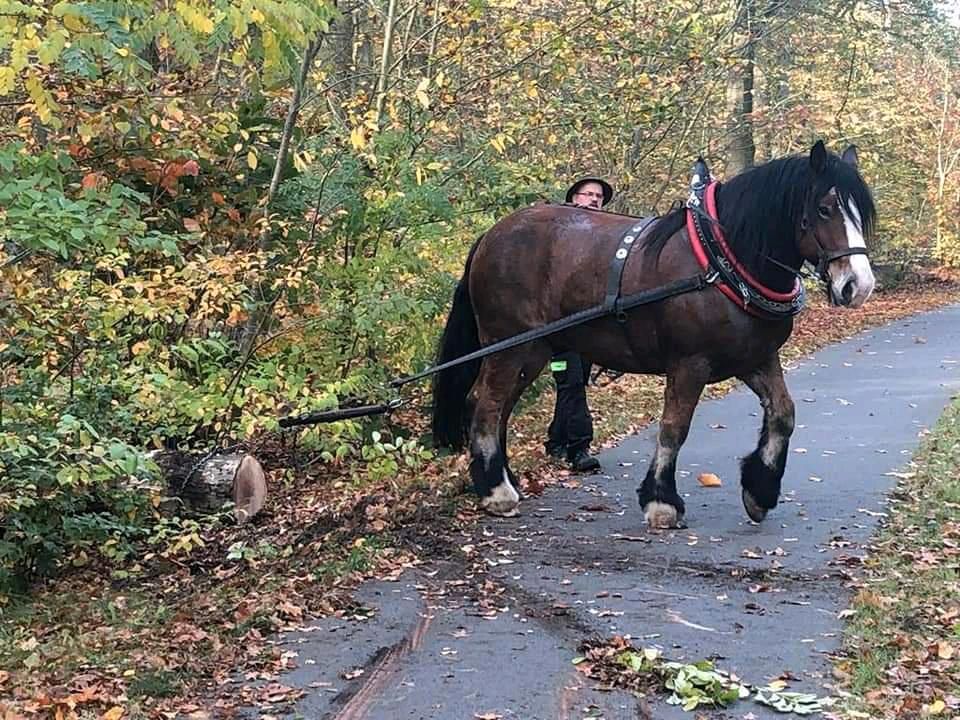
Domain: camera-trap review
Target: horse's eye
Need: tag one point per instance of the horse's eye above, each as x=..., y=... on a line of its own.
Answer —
x=824, y=212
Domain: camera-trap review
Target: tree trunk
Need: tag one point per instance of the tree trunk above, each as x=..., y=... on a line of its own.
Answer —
x=260, y=318
x=742, y=151
x=946, y=242
x=432, y=49
x=385, y=58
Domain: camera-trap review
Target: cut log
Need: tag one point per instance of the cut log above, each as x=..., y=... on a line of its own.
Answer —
x=249, y=489
x=206, y=485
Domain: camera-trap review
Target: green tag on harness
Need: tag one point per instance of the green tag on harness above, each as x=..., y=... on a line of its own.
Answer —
x=558, y=366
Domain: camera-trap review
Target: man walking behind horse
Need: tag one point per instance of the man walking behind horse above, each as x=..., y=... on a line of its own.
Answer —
x=571, y=430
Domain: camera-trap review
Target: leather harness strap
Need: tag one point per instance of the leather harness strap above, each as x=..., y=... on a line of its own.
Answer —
x=611, y=302
x=715, y=256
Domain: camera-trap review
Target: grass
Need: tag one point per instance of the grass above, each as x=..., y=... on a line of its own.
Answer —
x=902, y=641
x=156, y=684
x=75, y=632
x=360, y=558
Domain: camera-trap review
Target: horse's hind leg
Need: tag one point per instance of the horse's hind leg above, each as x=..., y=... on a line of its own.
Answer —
x=534, y=360
x=762, y=470
x=502, y=379
x=662, y=505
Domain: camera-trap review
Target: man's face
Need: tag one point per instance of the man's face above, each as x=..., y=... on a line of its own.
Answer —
x=589, y=195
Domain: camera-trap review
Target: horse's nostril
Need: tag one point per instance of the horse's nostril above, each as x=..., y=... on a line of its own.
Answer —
x=848, y=290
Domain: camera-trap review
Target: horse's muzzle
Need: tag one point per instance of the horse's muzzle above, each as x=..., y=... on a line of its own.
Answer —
x=851, y=282
x=846, y=294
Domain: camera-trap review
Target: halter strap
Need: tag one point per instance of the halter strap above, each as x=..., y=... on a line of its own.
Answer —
x=824, y=256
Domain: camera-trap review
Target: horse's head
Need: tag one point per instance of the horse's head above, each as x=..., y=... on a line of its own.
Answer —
x=838, y=217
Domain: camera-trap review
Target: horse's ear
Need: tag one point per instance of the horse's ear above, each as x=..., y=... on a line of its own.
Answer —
x=818, y=157
x=850, y=156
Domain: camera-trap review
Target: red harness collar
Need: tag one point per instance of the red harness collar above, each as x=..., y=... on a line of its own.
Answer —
x=710, y=202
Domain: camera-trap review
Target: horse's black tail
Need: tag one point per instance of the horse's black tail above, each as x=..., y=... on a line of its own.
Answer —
x=451, y=414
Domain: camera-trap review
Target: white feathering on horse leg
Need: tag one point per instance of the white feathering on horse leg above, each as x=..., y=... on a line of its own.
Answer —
x=660, y=515
x=503, y=500
x=771, y=450
x=486, y=446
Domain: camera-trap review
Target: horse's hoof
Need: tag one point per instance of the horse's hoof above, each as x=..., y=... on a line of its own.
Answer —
x=500, y=509
x=502, y=501
x=505, y=514
x=661, y=515
x=754, y=510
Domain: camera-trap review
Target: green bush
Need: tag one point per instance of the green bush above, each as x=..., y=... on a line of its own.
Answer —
x=65, y=494
x=122, y=332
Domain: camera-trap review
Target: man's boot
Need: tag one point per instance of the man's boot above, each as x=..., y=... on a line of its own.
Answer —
x=583, y=461
x=557, y=452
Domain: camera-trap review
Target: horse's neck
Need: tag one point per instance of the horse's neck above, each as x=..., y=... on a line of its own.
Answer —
x=766, y=245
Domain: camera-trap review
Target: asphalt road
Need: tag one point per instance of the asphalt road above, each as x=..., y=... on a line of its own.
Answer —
x=579, y=562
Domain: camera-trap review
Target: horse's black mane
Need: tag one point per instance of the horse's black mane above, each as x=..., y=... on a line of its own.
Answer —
x=761, y=208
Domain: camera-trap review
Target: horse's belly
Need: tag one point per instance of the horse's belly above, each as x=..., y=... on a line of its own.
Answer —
x=728, y=339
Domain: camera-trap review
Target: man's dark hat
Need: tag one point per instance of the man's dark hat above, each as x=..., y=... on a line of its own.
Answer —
x=607, y=190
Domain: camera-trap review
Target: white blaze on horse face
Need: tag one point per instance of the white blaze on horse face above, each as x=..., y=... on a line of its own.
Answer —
x=855, y=267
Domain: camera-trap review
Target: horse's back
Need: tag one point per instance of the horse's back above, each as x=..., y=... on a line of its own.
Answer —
x=541, y=263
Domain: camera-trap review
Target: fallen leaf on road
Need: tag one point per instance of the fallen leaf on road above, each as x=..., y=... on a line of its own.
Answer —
x=709, y=480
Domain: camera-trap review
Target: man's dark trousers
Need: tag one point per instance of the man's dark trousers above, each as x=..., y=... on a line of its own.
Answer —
x=572, y=426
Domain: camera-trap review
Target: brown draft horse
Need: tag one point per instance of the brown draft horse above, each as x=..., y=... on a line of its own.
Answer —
x=545, y=262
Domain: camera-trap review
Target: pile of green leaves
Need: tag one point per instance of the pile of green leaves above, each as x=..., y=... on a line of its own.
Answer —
x=700, y=683
x=690, y=685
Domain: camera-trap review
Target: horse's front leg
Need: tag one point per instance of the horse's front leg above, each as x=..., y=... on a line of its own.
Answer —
x=762, y=470
x=662, y=505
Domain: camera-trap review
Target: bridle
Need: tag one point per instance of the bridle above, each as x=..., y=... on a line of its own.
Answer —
x=824, y=256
